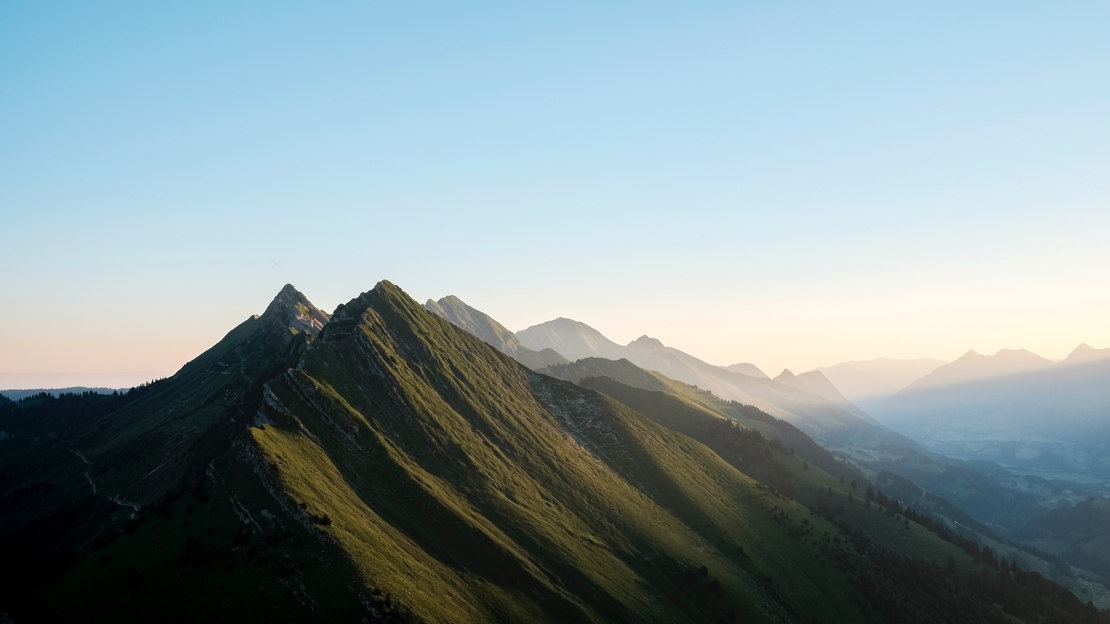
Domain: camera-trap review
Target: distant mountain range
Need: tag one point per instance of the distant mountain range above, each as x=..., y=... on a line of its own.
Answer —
x=491, y=332
x=751, y=370
x=973, y=366
x=867, y=383
x=1014, y=408
x=380, y=464
x=1003, y=500
x=810, y=402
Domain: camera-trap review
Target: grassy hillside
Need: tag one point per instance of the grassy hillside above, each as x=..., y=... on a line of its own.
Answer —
x=400, y=469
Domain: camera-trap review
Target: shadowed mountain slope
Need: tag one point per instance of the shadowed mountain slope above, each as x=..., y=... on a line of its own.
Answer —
x=690, y=410
x=395, y=468
x=89, y=470
x=836, y=423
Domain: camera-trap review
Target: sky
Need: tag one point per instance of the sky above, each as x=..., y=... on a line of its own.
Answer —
x=789, y=184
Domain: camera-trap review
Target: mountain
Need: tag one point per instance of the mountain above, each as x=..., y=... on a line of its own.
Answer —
x=1085, y=354
x=688, y=408
x=491, y=332
x=1021, y=411
x=750, y=370
x=867, y=383
x=573, y=340
x=77, y=469
x=973, y=366
x=838, y=424
x=387, y=466
x=816, y=383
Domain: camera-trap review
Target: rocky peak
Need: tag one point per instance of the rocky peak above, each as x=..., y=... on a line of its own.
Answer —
x=290, y=308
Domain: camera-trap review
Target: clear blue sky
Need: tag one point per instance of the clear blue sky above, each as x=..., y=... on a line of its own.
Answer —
x=790, y=184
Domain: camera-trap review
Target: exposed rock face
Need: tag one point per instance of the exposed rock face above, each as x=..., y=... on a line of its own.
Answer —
x=292, y=309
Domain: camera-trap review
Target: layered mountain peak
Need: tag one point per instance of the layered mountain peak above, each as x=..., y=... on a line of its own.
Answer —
x=647, y=342
x=974, y=366
x=1085, y=353
x=1020, y=355
x=292, y=308
x=480, y=324
x=348, y=315
x=573, y=339
x=465, y=317
x=817, y=384
x=746, y=368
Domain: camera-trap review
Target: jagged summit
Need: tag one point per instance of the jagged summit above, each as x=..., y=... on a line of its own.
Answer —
x=346, y=316
x=292, y=308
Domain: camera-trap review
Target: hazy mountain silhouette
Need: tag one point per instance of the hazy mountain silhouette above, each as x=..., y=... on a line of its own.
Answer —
x=834, y=422
x=973, y=366
x=1014, y=408
x=750, y=370
x=573, y=340
x=1084, y=354
x=816, y=383
x=491, y=332
x=868, y=383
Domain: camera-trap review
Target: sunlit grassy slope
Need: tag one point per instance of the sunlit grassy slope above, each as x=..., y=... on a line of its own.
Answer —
x=473, y=489
x=400, y=469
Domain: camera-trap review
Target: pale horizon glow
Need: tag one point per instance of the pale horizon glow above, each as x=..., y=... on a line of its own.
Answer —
x=790, y=188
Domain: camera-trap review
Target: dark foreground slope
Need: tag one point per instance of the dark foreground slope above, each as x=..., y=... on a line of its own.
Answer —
x=396, y=468
x=78, y=469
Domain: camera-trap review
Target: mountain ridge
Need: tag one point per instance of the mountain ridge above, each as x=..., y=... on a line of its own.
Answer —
x=393, y=467
x=491, y=332
x=836, y=422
